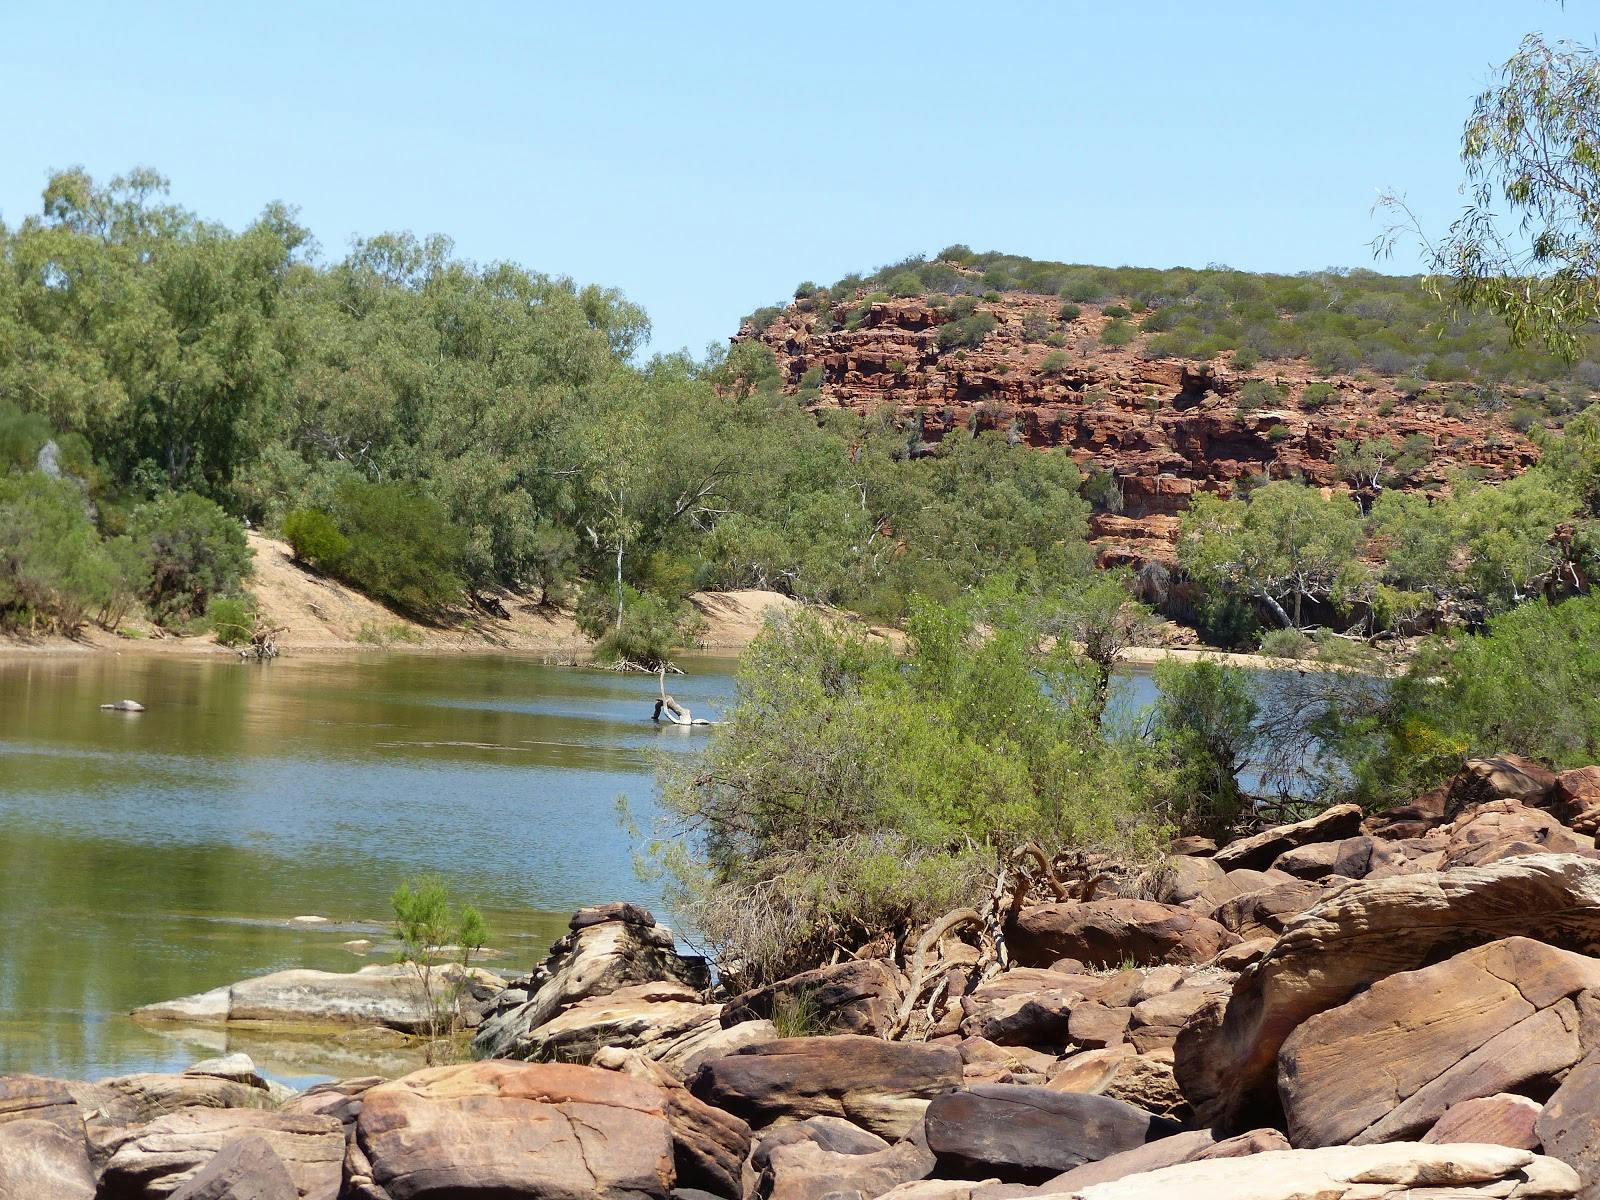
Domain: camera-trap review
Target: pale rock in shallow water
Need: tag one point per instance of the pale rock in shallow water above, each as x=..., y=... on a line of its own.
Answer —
x=123, y=706
x=383, y=994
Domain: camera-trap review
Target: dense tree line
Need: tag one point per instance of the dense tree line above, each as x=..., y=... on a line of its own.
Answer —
x=429, y=429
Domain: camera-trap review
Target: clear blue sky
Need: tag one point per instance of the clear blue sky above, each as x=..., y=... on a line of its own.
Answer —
x=705, y=158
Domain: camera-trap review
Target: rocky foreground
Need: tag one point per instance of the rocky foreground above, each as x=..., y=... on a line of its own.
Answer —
x=1346, y=1008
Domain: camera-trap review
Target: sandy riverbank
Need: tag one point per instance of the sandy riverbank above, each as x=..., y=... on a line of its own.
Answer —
x=321, y=616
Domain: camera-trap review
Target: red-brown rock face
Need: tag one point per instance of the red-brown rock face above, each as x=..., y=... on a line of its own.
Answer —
x=1166, y=427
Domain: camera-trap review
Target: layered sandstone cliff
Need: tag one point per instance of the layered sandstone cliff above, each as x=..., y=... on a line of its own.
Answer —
x=1165, y=428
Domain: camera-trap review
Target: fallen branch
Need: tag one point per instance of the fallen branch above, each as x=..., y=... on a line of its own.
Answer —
x=918, y=973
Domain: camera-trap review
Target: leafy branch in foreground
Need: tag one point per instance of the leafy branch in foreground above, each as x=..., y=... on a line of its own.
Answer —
x=1527, y=247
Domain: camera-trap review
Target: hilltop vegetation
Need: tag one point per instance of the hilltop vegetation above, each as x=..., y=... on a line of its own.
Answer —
x=1340, y=321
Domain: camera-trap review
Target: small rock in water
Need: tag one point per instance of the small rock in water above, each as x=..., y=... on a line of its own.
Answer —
x=357, y=945
x=308, y=921
x=238, y=1066
x=124, y=706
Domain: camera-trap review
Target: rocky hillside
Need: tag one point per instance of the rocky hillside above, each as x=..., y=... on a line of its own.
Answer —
x=1164, y=426
x=1350, y=1007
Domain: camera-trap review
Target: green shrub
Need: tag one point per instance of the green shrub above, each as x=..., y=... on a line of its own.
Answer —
x=55, y=572
x=652, y=629
x=853, y=790
x=232, y=619
x=812, y=379
x=1204, y=722
x=1056, y=362
x=188, y=551
x=967, y=332
x=1316, y=395
x=1277, y=432
x=1069, y=312
x=906, y=285
x=1285, y=643
x=895, y=366
x=1115, y=310
x=1116, y=333
x=1034, y=327
x=315, y=539
x=1256, y=394
x=1245, y=359
x=1082, y=287
x=1525, y=419
x=403, y=550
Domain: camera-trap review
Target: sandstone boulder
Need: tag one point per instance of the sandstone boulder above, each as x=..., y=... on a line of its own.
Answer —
x=1181, y=879
x=1363, y=932
x=41, y=1159
x=1569, y=1125
x=1026, y=1006
x=498, y=1129
x=805, y=1170
x=1576, y=800
x=248, y=1169
x=709, y=1146
x=1108, y=932
x=650, y=1017
x=1259, y=851
x=1200, y=1145
x=1497, y=1018
x=1029, y=1134
x=1266, y=912
x=161, y=1156
x=1398, y=1170
x=1144, y=1080
x=135, y=1099
x=36, y=1098
x=1506, y=829
x=1503, y=1119
x=1348, y=858
x=1501, y=777
x=884, y=1087
x=610, y=947
x=856, y=996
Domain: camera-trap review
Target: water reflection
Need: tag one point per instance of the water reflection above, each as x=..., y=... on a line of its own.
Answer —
x=144, y=856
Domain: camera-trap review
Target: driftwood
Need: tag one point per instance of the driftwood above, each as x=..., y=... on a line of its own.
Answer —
x=675, y=712
x=1024, y=871
x=919, y=967
x=263, y=643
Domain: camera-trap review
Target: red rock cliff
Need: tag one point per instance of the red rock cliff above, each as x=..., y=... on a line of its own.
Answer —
x=1165, y=427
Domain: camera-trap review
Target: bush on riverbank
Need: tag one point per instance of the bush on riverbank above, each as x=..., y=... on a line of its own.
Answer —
x=386, y=540
x=1530, y=685
x=56, y=573
x=188, y=551
x=855, y=791
x=649, y=630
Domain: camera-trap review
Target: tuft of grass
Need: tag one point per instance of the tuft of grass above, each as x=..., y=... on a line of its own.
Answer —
x=798, y=1014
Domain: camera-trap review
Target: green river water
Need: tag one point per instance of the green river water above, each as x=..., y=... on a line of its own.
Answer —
x=150, y=855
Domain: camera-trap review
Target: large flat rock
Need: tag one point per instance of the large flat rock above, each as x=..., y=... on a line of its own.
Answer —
x=541, y=1131
x=1388, y=1064
x=1227, y=1056
x=884, y=1087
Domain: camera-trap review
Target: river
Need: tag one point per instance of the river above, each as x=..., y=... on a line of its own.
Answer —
x=149, y=855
